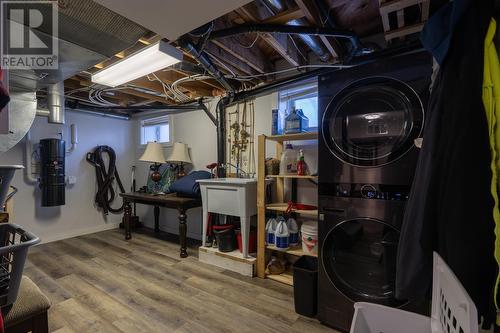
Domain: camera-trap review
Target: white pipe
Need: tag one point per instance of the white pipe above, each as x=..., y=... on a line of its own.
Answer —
x=74, y=138
x=28, y=152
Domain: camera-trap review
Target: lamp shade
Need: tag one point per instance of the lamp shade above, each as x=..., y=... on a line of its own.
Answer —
x=180, y=153
x=153, y=153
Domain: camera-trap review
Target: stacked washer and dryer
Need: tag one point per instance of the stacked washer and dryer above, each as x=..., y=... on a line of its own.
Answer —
x=370, y=116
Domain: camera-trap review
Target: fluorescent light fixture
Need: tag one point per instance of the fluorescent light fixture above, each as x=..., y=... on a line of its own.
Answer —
x=146, y=61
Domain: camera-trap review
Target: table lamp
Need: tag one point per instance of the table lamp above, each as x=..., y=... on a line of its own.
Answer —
x=154, y=154
x=180, y=155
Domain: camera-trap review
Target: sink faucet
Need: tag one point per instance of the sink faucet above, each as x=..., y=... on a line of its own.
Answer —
x=240, y=173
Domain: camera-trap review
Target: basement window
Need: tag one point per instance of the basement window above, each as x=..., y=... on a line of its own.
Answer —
x=155, y=129
x=305, y=97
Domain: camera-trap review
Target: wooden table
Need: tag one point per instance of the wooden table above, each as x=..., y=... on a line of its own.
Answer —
x=170, y=200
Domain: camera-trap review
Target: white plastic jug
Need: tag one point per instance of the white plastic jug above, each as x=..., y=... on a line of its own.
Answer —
x=309, y=232
x=288, y=162
x=281, y=235
x=270, y=230
x=293, y=229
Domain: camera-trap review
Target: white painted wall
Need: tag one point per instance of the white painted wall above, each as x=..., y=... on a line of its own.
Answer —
x=78, y=216
x=195, y=129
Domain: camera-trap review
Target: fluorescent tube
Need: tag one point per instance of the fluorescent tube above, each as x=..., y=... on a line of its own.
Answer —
x=146, y=61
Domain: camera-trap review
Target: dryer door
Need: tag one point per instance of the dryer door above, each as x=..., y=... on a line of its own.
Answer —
x=373, y=121
x=359, y=258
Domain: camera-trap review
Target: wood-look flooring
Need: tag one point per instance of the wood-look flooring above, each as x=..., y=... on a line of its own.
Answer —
x=102, y=283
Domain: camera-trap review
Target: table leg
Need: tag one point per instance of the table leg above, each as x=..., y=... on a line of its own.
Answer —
x=127, y=213
x=183, y=232
x=157, y=218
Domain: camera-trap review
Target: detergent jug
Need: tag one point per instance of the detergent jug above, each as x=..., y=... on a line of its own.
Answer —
x=293, y=230
x=281, y=235
x=270, y=230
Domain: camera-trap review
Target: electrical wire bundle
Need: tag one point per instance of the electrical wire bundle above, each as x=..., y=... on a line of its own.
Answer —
x=105, y=176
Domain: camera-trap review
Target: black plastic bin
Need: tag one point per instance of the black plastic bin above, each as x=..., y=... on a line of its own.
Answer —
x=305, y=285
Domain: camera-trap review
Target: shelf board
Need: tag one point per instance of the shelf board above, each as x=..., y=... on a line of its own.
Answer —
x=294, y=137
x=296, y=251
x=281, y=207
x=292, y=176
x=286, y=278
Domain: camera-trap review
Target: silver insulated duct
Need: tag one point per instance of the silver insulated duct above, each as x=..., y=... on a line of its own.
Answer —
x=55, y=103
x=312, y=42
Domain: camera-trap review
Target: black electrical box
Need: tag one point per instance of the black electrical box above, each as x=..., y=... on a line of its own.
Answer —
x=52, y=174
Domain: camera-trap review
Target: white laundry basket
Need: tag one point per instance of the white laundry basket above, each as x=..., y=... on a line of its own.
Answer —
x=452, y=310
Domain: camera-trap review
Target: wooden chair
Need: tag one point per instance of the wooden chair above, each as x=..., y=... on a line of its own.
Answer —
x=29, y=312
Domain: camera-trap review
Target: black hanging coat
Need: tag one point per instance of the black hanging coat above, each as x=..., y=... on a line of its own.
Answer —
x=450, y=209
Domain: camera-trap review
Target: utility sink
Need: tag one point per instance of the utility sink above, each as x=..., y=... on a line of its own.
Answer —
x=236, y=181
x=230, y=196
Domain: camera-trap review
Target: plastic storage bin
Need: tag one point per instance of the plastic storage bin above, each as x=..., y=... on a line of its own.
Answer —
x=305, y=285
x=14, y=244
x=452, y=310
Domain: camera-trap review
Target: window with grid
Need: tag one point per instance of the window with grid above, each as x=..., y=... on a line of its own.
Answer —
x=155, y=129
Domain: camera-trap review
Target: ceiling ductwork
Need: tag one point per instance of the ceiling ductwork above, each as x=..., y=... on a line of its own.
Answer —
x=88, y=34
x=313, y=43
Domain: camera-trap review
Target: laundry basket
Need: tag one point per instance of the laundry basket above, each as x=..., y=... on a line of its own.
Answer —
x=452, y=310
x=14, y=245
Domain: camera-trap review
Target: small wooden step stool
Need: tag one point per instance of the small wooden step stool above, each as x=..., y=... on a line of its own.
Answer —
x=399, y=6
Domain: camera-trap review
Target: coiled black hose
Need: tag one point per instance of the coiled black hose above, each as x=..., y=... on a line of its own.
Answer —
x=105, y=192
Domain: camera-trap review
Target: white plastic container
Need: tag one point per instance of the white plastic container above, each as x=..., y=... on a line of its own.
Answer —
x=309, y=231
x=288, y=162
x=452, y=310
x=293, y=230
x=281, y=235
x=270, y=230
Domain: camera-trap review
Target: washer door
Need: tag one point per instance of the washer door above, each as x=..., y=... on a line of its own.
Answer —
x=373, y=121
x=359, y=257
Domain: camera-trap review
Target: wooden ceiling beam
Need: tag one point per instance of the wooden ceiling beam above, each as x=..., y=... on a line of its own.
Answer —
x=229, y=58
x=277, y=42
x=285, y=16
x=314, y=18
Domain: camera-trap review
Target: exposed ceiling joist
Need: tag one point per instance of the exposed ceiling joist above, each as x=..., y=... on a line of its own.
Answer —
x=279, y=44
x=228, y=58
x=312, y=18
x=285, y=16
x=253, y=58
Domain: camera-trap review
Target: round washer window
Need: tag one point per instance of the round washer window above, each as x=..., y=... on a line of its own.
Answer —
x=373, y=121
x=359, y=257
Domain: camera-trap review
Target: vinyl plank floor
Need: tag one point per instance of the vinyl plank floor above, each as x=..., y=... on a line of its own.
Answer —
x=102, y=283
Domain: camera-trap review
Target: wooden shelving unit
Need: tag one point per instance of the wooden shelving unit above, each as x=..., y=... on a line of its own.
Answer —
x=286, y=278
x=293, y=137
x=295, y=251
x=280, y=205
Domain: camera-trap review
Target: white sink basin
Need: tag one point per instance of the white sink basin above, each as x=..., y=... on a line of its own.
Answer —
x=228, y=181
x=230, y=196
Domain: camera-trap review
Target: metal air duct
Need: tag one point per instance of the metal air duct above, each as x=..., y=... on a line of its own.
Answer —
x=277, y=6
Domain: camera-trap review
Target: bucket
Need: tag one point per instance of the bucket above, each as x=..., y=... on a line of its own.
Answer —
x=225, y=237
x=309, y=231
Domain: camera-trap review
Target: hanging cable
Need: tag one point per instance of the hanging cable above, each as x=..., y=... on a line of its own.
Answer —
x=105, y=177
